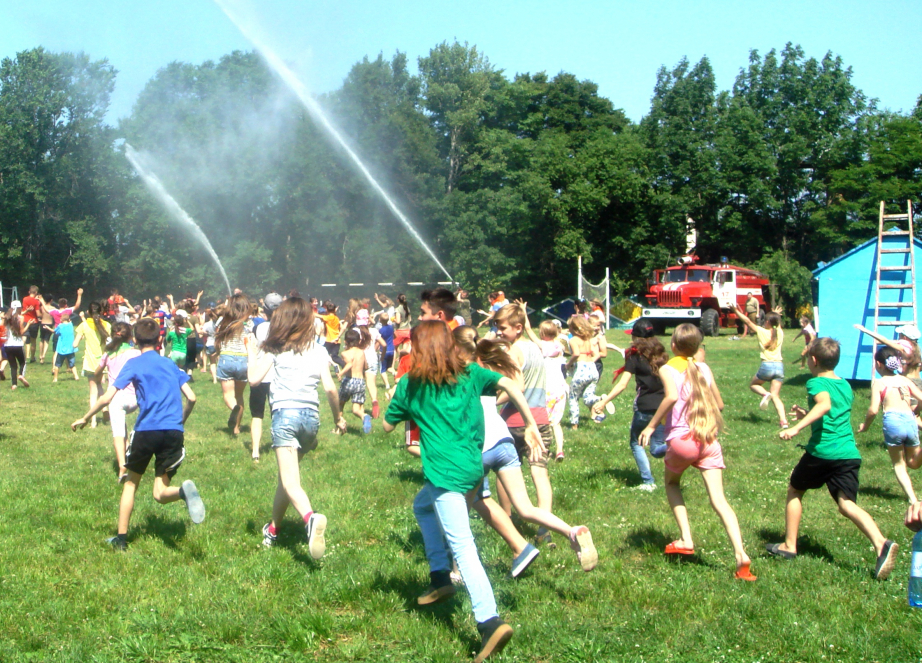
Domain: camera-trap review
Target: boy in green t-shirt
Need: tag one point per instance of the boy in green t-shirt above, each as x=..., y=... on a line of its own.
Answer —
x=831, y=457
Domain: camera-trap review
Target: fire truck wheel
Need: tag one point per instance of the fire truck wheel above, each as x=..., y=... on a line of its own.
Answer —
x=710, y=322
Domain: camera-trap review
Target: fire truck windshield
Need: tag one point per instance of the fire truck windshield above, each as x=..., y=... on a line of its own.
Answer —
x=681, y=275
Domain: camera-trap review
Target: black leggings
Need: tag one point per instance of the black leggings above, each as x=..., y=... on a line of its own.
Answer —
x=17, y=359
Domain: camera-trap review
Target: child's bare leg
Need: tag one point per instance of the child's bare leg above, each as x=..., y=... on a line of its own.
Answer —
x=713, y=481
x=371, y=379
x=899, y=469
x=358, y=409
x=126, y=505
x=514, y=484
x=290, y=478
x=756, y=387
x=76, y=374
x=776, y=399
x=94, y=396
x=558, y=437
x=214, y=372
x=864, y=522
x=279, y=504
x=503, y=497
x=413, y=450
x=239, y=386
x=793, y=511
x=164, y=493
x=228, y=393
x=54, y=373
x=677, y=503
x=544, y=494
x=256, y=435
x=119, y=445
x=494, y=516
x=913, y=457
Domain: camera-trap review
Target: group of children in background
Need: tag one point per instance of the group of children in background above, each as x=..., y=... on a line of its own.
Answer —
x=476, y=405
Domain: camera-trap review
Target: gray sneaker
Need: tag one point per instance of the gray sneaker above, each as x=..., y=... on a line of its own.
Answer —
x=193, y=500
x=268, y=539
x=316, y=527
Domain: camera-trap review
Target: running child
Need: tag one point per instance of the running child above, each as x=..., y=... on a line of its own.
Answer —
x=442, y=396
x=643, y=359
x=158, y=431
x=901, y=433
x=177, y=337
x=298, y=365
x=771, y=337
x=809, y=334
x=831, y=457
x=552, y=349
x=17, y=335
x=691, y=408
x=352, y=377
x=387, y=355
x=64, y=351
x=231, y=333
x=96, y=332
x=585, y=353
x=118, y=352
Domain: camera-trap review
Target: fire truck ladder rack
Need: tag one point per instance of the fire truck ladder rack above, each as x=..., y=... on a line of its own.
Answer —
x=903, y=269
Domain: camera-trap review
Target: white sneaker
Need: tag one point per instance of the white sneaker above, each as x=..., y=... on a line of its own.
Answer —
x=763, y=405
x=646, y=487
x=316, y=541
x=610, y=407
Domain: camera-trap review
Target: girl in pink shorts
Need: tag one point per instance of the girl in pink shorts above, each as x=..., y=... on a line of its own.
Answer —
x=691, y=410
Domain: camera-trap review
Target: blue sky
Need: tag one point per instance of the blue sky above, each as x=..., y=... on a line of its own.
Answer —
x=619, y=45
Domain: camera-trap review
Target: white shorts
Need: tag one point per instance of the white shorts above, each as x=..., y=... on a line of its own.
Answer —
x=122, y=403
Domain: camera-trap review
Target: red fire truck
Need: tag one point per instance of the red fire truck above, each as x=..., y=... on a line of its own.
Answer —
x=703, y=295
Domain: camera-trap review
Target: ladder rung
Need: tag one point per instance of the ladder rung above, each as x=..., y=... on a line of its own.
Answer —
x=894, y=250
x=895, y=323
x=895, y=304
x=895, y=217
x=902, y=286
x=896, y=233
x=905, y=268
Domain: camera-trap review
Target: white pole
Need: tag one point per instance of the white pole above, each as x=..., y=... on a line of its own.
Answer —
x=2, y=305
x=607, y=299
x=579, y=277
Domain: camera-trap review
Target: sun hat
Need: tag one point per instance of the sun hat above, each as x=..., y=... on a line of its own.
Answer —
x=272, y=301
x=909, y=331
x=16, y=304
x=642, y=329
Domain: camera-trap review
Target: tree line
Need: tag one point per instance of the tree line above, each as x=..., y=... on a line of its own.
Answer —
x=508, y=179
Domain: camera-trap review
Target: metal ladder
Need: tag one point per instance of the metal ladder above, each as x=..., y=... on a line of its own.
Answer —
x=908, y=268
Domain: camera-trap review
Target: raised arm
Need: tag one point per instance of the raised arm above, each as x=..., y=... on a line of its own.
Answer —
x=742, y=317
x=532, y=434
x=79, y=298
x=880, y=339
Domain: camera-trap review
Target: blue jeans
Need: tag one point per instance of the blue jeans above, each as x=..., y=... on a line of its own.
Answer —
x=295, y=427
x=657, y=444
x=442, y=516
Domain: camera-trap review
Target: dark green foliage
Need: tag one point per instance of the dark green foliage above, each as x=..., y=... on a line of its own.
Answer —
x=509, y=180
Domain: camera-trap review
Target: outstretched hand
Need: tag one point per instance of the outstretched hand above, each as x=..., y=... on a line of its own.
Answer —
x=797, y=412
x=78, y=425
x=536, y=448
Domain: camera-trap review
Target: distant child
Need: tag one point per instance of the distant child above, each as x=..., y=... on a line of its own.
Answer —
x=442, y=395
x=118, y=352
x=585, y=353
x=333, y=329
x=831, y=457
x=63, y=340
x=552, y=349
x=901, y=400
x=96, y=332
x=371, y=343
x=176, y=339
x=387, y=355
x=771, y=337
x=510, y=323
x=352, y=378
x=691, y=408
x=158, y=431
x=300, y=367
x=17, y=333
x=643, y=359
x=809, y=334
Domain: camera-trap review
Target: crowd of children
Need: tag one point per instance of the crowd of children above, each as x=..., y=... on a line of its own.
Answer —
x=471, y=405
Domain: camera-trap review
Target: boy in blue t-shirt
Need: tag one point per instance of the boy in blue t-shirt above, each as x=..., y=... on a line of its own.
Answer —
x=831, y=457
x=158, y=431
x=63, y=343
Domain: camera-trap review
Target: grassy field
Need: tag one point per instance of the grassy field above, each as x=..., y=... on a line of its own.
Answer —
x=212, y=593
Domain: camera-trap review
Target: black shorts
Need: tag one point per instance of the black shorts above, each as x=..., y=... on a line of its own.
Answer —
x=166, y=445
x=518, y=437
x=839, y=476
x=32, y=331
x=258, y=397
x=46, y=333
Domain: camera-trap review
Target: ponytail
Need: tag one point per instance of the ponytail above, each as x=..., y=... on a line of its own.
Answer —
x=774, y=322
x=95, y=312
x=121, y=334
x=702, y=413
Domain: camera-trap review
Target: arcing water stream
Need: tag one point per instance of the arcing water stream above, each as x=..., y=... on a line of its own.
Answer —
x=310, y=104
x=142, y=168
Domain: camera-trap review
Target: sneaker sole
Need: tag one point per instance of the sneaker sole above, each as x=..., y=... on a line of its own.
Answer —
x=437, y=595
x=499, y=639
x=889, y=561
x=316, y=542
x=588, y=555
x=193, y=501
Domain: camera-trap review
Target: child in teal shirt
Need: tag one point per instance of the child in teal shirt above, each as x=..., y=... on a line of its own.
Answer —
x=64, y=347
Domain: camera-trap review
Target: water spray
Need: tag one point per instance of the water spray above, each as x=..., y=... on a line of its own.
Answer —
x=313, y=108
x=155, y=186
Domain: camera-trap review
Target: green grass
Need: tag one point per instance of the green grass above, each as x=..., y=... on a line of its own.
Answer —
x=211, y=593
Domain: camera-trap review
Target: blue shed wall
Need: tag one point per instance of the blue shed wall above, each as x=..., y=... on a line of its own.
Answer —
x=846, y=291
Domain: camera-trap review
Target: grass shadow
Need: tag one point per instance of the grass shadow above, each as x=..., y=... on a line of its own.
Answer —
x=171, y=531
x=408, y=591
x=629, y=477
x=748, y=418
x=650, y=540
x=883, y=493
x=798, y=380
x=412, y=475
x=412, y=543
x=291, y=537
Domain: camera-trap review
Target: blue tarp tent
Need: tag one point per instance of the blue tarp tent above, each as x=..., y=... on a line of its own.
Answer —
x=844, y=294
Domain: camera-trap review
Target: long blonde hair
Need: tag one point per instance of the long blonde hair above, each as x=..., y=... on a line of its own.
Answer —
x=702, y=412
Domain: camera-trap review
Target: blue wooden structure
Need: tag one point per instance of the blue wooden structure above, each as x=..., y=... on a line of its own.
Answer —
x=844, y=292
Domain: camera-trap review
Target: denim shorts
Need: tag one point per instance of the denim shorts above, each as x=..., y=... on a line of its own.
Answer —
x=295, y=428
x=232, y=367
x=771, y=370
x=900, y=430
x=71, y=360
x=502, y=456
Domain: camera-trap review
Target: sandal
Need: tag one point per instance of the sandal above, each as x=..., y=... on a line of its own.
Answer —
x=675, y=549
x=743, y=572
x=775, y=549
